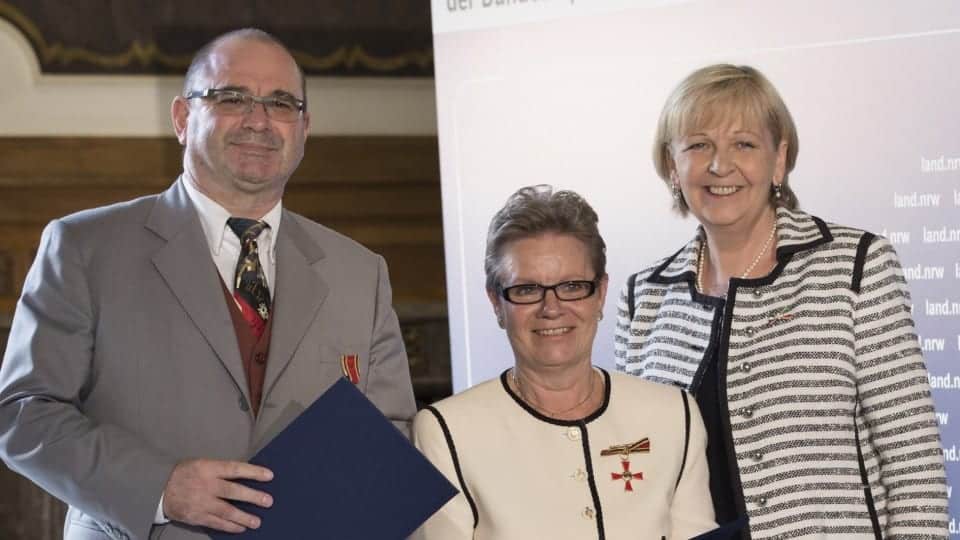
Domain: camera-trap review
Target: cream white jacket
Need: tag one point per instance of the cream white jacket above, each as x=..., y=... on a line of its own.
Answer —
x=524, y=476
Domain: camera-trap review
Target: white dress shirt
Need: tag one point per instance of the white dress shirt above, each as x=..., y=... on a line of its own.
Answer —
x=225, y=250
x=225, y=245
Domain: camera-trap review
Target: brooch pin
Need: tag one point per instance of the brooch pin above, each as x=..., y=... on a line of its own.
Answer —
x=350, y=363
x=624, y=451
x=641, y=446
x=779, y=317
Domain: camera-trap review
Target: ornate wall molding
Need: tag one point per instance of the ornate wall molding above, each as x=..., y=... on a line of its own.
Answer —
x=33, y=103
x=341, y=38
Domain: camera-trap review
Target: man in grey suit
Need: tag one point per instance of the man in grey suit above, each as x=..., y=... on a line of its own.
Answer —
x=160, y=342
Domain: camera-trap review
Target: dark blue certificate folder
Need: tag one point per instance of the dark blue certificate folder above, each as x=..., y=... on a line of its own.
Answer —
x=342, y=471
x=725, y=532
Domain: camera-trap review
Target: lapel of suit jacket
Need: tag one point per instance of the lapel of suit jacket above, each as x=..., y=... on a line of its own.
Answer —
x=297, y=297
x=187, y=267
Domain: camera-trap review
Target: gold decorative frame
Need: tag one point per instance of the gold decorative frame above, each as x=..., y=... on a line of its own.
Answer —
x=348, y=56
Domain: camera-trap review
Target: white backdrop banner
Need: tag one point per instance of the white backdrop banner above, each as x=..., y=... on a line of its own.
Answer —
x=568, y=93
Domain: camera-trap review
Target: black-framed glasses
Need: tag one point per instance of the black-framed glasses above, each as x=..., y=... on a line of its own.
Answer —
x=533, y=293
x=282, y=108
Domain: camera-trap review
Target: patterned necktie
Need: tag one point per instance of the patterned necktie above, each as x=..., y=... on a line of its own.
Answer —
x=250, y=284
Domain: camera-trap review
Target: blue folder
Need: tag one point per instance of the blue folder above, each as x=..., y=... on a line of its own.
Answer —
x=343, y=471
x=724, y=532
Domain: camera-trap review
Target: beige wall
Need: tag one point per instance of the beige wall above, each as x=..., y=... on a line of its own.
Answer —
x=34, y=104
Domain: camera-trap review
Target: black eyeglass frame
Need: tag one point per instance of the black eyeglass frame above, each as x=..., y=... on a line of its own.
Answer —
x=209, y=93
x=505, y=294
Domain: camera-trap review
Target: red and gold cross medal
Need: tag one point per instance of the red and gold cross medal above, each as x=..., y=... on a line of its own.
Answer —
x=626, y=474
x=624, y=451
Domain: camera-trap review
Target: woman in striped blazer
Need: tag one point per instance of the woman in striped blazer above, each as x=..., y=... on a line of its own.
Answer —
x=794, y=334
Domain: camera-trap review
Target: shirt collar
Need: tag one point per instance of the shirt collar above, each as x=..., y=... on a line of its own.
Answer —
x=272, y=217
x=213, y=220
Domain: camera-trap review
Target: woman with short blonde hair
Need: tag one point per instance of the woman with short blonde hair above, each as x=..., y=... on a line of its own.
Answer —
x=793, y=333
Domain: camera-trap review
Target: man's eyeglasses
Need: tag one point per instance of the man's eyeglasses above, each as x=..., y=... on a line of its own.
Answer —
x=533, y=293
x=236, y=103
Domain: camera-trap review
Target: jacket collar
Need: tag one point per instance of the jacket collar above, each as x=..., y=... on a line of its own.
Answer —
x=185, y=264
x=796, y=231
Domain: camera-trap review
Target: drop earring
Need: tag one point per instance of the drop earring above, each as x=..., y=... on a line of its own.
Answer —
x=777, y=192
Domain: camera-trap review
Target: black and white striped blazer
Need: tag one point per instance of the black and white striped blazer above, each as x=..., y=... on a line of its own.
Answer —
x=832, y=426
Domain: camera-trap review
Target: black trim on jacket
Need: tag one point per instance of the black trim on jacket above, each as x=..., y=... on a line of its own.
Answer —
x=712, y=346
x=724, y=347
x=867, y=492
x=860, y=260
x=825, y=238
x=591, y=479
x=456, y=463
x=568, y=423
x=686, y=436
x=655, y=276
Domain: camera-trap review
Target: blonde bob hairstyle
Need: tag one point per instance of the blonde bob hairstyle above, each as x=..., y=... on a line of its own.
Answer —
x=714, y=94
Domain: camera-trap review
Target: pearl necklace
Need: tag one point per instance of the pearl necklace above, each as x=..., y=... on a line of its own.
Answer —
x=541, y=408
x=756, y=260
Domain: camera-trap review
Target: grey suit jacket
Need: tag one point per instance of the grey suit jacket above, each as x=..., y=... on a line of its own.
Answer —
x=122, y=359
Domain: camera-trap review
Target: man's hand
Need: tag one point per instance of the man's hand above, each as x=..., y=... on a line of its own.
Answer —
x=198, y=490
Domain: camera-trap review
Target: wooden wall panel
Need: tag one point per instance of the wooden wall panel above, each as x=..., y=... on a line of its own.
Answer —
x=155, y=162
x=383, y=192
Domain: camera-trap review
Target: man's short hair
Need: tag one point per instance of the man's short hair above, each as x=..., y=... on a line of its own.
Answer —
x=201, y=60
